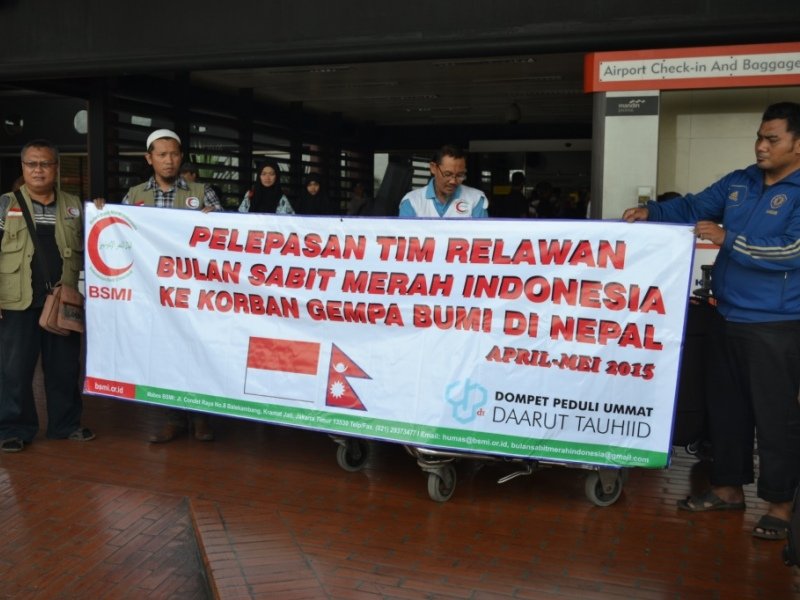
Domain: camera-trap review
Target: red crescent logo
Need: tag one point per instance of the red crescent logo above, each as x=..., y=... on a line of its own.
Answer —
x=461, y=207
x=92, y=244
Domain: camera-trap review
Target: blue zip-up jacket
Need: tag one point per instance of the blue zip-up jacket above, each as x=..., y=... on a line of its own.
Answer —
x=756, y=277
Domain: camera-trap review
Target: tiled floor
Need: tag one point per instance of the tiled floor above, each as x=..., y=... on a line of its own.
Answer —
x=67, y=538
x=266, y=512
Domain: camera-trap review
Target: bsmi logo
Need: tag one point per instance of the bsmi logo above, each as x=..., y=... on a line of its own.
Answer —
x=108, y=246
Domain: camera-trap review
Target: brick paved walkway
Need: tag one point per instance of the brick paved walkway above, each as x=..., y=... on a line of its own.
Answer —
x=66, y=538
x=265, y=512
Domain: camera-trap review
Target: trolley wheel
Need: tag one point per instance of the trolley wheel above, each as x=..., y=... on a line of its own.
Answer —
x=693, y=448
x=597, y=495
x=352, y=455
x=442, y=483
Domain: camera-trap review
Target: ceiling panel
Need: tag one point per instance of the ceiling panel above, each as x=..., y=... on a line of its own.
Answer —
x=525, y=89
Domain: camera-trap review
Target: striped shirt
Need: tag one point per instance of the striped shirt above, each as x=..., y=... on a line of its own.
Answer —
x=42, y=214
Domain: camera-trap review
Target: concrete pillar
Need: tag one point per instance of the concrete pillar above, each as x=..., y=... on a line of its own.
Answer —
x=625, y=151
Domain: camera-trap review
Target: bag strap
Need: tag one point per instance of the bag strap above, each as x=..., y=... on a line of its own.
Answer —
x=37, y=257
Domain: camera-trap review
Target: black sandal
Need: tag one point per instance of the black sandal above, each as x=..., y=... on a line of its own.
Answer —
x=708, y=501
x=12, y=445
x=771, y=528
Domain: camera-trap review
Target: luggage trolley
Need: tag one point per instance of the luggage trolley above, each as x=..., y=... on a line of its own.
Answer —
x=603, y=485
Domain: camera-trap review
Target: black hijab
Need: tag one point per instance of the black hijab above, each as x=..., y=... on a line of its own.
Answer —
x=313, y=205
x=265, y=199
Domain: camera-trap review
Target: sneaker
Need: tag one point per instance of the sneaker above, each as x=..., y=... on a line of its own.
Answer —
x=12, y=445
x=82, y=434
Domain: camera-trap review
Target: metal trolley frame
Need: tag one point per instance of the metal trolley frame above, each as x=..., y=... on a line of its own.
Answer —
x=603, y=485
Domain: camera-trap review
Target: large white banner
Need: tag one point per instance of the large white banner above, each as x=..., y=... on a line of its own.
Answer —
x=557, y=340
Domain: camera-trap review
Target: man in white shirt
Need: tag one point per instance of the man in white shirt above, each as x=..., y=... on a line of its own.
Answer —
x=445, y=195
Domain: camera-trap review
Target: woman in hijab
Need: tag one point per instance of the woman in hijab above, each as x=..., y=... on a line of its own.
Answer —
x=313, y=201
x=266, y=195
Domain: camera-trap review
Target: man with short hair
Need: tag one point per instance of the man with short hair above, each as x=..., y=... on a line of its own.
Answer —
x=28, y=269
x=189, y=172
x=753, y=215
x=445, y=195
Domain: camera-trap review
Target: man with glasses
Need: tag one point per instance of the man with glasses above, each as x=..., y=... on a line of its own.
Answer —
x=446, y=195
x=28, y=269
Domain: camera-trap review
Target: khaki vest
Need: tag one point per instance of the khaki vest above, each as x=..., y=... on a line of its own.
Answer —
x=16, y=251
x=139, y=196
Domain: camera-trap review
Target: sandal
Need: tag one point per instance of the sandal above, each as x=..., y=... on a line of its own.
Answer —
x=12, y=445
x=708, y=501
x=771, y=528
x=82, y=434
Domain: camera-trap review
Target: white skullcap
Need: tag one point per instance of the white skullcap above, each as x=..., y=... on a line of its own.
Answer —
x=159, y=134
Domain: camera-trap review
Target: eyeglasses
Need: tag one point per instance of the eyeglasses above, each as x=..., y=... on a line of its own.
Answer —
x=39, y=164
x=458, y=177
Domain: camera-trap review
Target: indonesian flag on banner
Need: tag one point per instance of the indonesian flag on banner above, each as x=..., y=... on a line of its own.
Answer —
x=284, y=369
x=339, y=392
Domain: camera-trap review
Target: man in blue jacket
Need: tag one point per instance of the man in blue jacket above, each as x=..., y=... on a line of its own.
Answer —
x=753, y=215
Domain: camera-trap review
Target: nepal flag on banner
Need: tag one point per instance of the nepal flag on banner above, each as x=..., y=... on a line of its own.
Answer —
x=339, y=392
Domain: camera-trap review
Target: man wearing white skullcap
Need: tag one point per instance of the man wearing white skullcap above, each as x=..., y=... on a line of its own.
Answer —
x=166, y=188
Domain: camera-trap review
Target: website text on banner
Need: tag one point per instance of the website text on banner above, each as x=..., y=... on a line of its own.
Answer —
x=547, y=339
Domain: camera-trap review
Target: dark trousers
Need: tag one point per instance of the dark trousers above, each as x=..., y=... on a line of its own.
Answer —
x=22, y=341
x=754, y=384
